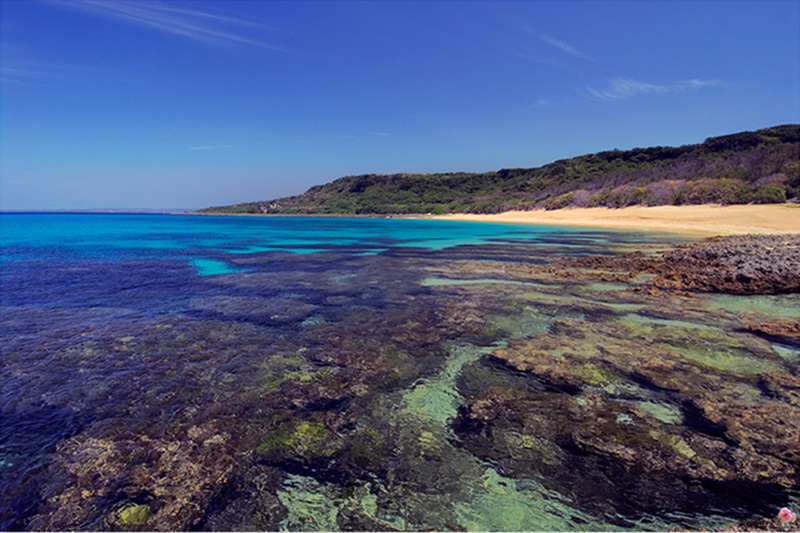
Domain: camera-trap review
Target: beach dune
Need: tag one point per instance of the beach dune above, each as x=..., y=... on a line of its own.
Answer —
x=701, y=220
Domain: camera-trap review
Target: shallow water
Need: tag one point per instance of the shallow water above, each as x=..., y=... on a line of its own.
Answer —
x=227, y=373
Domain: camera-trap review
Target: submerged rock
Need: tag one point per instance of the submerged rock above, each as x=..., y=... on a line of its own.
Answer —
x=333, y=405
x=130, y=517
x=785, y=331
x=168, y=483
x=594, y=416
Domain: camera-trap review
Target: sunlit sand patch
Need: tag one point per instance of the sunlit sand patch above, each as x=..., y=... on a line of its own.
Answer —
x=737, y=362
x=777, y=306
x=791, y=355
x=637, y=321
x=667, y=413
x=605, y=286
x=446, y=282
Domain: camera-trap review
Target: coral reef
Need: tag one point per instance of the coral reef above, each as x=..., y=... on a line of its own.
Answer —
x=413, y=391
x=599, y=410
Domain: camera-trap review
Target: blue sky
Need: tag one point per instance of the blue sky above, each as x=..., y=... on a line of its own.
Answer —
x=186, y=104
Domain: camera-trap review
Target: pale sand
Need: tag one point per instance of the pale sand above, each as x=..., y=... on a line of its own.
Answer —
x=701, y=220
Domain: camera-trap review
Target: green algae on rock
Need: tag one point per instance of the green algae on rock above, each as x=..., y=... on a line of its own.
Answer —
x=130, y=517
x=299, y=440
x=587, y=411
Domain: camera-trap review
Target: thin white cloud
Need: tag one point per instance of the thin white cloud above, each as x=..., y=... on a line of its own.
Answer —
x=540, y=103
x=380, y=134
x=695, y=83
x=186, y=22
x=564, y=47
x=16, y=72
x=625, y=88
x=22, y=75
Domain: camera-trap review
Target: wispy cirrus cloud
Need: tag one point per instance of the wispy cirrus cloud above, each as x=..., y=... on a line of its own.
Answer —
x=191, y=23
x=564, y=47
x=23, y=74
x=538, y=104
x=33, y=73
x=625, y=88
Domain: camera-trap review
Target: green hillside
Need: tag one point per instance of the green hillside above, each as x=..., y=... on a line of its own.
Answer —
x=750, y=167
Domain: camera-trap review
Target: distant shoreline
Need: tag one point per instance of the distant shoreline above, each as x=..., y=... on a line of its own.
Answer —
x=700, y=220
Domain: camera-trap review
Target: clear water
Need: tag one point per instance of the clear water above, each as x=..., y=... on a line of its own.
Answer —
x=27, y=236
x=230, y=373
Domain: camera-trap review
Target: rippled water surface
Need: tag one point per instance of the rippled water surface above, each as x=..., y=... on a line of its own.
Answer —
x=230, y=373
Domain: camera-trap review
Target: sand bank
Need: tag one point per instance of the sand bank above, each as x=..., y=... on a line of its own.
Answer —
x=702, y=220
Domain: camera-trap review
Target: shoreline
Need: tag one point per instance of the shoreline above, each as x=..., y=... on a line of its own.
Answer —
x=705, y=220
x=700, y=220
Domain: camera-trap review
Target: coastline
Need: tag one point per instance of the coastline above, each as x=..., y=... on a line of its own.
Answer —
x=700, y=220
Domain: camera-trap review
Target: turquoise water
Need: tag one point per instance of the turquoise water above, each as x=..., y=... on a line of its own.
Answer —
x=247, y=373
x=95, y=233
x=210, y=243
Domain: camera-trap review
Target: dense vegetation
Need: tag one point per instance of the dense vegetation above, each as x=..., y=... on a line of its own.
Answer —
x=751, y=167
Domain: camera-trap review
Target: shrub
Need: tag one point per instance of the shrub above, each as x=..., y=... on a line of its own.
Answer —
x=558, y=202
x=581, y=198
x=768, y=194
x=792, y=172
x=664, y=192
x=715, y=191
x=599, y=199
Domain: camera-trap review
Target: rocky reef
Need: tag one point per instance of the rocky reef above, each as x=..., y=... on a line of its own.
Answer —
x=628, y=418
x=613, y=390
x=675, y=406
x=740, y=264
x=746, y=264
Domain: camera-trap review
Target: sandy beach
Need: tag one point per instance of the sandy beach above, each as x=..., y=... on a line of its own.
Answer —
x=701, y=220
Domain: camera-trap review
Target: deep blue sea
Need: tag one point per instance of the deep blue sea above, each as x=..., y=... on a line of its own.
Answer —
x=231, y=373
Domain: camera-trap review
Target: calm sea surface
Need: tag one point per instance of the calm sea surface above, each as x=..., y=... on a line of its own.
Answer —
x=230, y=373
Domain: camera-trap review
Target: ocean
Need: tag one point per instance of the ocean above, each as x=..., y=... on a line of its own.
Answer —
x=299, y=373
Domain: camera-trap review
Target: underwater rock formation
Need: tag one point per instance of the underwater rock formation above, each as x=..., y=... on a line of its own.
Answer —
x=426, y=392
x=154, y=484
x=628, y=420
x=785, y=331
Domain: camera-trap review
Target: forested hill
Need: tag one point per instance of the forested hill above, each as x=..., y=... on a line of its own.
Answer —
x=750, y=167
